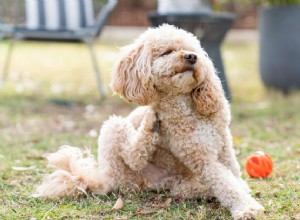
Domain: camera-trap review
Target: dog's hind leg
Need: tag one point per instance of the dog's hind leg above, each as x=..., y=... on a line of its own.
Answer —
x=185, y=187
x=190, y=188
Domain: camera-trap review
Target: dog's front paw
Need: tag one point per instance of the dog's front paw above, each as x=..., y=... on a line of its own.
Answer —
x=151, y=121
x=247, y=212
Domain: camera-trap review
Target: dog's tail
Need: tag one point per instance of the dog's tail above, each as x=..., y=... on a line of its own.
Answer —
x=76, y=172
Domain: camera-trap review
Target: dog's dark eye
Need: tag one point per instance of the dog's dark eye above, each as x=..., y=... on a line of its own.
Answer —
x=166, y=53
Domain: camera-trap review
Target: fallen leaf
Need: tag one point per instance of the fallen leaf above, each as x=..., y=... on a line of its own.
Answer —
x=145, y=211
x=164, y=205
x=23, y=168
x=118, y=205
x=168, y=202
x=257, y=194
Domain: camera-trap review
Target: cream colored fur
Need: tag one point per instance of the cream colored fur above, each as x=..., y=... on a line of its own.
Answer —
x=179, y=140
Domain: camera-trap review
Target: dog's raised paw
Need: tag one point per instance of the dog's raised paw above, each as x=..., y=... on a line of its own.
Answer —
x=151, y=121
x=156, y=125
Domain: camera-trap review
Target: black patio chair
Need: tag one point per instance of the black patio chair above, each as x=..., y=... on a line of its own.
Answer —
x=83, y=32
x=210, y=28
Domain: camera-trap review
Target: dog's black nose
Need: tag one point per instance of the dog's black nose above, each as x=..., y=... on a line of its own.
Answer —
x=191, y=58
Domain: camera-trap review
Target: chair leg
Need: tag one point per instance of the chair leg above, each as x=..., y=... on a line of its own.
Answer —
x=7, y=62
x=101, y=86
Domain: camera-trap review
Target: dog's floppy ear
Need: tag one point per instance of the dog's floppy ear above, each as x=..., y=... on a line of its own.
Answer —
x=209, y=96
x=132, y=77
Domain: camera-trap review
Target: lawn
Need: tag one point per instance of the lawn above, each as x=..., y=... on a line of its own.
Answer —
x=51, y=99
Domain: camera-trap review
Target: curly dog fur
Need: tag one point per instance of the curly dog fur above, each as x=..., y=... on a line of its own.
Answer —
x=178, y=140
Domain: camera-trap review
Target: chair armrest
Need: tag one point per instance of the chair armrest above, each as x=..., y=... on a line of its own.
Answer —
x=103, y=15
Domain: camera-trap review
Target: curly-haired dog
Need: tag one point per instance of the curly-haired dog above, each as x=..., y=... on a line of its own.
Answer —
x=180, y=140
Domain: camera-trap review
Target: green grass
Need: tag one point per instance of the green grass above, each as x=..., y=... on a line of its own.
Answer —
x=51, y=99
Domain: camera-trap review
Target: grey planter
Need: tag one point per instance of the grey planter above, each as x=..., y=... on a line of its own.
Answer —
x=280, y=47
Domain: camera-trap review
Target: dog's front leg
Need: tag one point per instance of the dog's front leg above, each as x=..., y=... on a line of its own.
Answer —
x=228, y=158
x=222, y=182
x=229, y=190
x=142, y=142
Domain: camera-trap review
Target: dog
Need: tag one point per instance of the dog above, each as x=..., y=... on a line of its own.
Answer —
x=178, y=139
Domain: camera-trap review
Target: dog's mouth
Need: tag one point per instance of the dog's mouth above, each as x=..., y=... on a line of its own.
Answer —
x=190, y=69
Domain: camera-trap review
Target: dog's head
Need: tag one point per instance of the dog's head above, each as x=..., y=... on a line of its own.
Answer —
x=164, y=61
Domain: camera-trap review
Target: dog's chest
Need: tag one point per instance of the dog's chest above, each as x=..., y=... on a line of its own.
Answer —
x=191, y=131
x=178, y=129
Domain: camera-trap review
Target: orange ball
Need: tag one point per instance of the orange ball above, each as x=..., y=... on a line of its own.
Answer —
x=259, y=164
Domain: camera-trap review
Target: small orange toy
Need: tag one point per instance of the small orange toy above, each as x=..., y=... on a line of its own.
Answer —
x=259, y=164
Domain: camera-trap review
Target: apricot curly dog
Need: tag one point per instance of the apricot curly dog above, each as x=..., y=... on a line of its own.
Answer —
x=179, y=140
